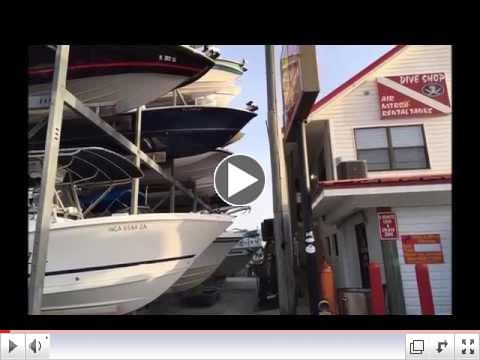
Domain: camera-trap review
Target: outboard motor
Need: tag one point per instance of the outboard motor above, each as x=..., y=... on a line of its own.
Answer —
x=251, y=106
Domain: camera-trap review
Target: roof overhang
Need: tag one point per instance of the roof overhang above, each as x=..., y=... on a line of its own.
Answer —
x=336, y=203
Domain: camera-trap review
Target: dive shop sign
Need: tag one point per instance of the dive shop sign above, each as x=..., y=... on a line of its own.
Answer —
x=416, y=95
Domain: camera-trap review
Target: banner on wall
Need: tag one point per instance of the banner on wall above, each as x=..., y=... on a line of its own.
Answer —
x=416, y=95
x=422, y=249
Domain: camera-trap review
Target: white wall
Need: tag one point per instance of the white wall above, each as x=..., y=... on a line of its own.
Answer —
x=411, y=220
x=358, y=109
x=427, y=220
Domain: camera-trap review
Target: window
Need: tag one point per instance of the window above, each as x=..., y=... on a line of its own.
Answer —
x=329, y=246
x=392, y=148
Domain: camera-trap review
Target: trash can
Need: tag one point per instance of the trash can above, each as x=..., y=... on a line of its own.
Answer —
x=354, y=301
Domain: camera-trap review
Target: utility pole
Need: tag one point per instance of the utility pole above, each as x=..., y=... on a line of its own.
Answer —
x=47, y=187
x=281, y=223
x=309, y=238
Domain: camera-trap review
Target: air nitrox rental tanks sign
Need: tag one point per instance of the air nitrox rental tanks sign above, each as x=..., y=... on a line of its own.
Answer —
x=415, y=95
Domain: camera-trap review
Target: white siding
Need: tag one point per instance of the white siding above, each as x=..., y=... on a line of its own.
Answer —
x=347, y=264
x=360, y=108
x=427, y=220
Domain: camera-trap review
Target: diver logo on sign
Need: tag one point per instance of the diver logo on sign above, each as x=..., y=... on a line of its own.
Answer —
x=433, y=90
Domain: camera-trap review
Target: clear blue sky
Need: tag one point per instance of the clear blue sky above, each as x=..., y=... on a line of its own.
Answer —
x=336, y=63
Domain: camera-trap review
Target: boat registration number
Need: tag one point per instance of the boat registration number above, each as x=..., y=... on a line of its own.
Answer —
x=128, y=227
x=39, y=102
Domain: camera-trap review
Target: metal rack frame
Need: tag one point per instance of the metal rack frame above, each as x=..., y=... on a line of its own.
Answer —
x=60, y=97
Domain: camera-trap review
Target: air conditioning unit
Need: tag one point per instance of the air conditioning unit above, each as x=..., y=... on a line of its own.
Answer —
x=354, y=169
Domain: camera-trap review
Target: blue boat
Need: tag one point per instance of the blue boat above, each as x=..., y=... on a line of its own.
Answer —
x=177, y=131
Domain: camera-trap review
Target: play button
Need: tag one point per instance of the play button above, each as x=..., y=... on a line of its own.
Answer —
x=11, y=346
x=239, y=180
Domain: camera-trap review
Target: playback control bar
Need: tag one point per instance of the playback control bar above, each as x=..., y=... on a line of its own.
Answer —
x=241, y=344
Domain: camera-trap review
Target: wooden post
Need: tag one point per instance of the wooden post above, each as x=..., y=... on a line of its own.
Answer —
x=282, y=222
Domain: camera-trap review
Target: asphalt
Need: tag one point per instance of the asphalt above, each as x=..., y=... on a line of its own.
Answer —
x=238, y=296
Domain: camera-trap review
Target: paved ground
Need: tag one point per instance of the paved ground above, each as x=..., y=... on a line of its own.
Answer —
x=238, y=296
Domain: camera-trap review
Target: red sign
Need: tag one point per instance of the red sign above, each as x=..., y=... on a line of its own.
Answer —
x=416, y=95
x=300, y=87
x=422, y=249
x=387, y=226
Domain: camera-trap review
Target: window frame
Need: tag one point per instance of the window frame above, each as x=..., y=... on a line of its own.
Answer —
x=329, y=245
x=391, y=149
x=335, y=244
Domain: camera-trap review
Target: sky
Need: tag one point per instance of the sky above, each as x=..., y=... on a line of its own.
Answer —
x=336, y=64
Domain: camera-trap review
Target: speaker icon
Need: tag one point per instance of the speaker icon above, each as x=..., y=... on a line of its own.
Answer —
x=35, y=346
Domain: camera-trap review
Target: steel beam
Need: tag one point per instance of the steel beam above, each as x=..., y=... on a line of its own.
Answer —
x=136, y=181
x=172, y=188
x=47, y=187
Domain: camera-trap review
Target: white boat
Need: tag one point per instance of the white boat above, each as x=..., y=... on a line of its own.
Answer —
x=190, y=168
x=115, y=78
x=112, y=264
x=117, y=264
x=206, y=264
x=239, y=256
x=216, y=88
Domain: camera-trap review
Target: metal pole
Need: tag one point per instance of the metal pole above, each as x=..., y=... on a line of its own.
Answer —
x=136, y=182
x=194, y=191
x=310, y=246
x=47, y=187
x=282, y=223
x=172, y=188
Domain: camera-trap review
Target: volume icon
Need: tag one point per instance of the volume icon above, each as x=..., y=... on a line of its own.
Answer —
x=35, y=346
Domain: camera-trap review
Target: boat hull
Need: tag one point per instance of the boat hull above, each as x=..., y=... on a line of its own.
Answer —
x=206, y=263
x=177, y=131
x=117, y=264
x=118, y=77
x=216, y=88
x=235, y=261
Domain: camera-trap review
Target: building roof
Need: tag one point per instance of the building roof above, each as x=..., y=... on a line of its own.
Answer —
x=373, y=66
x=387, y=181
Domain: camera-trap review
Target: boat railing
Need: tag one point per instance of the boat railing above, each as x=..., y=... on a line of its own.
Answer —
x=230, y=210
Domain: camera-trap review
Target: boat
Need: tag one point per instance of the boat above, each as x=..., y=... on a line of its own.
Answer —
x=115, y=78
x=206, y=264
x=239, y=256
x=154, y=189
x=190, y=168
x=175, y=131
x=216, y=88
x=112, y=264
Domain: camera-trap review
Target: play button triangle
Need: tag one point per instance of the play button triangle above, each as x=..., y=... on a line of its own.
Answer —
x=238, y=180
x=11, y=346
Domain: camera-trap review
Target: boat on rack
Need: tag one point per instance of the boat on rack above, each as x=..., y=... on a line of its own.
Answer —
x=239, y=256
x=112, y=264
x=206, y=264
x=190, y=168
x=154, y=189
x=175, y=131
x=216, y=88
x=115, y=78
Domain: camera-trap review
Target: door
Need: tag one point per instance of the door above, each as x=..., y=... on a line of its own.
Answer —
x=364, y=260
